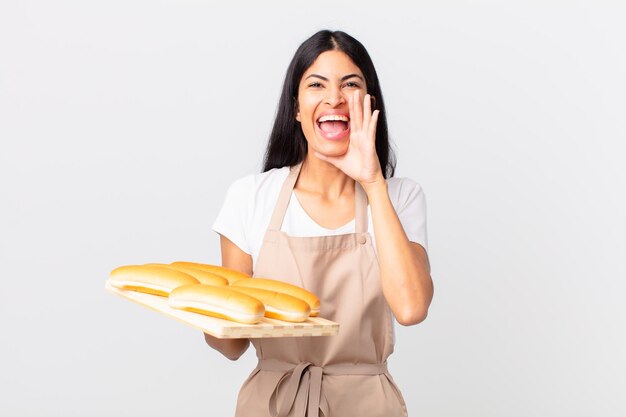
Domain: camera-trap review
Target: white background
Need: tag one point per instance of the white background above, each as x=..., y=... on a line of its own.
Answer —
x=122, y=123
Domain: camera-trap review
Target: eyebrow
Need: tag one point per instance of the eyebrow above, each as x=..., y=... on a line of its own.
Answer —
x=345, y=77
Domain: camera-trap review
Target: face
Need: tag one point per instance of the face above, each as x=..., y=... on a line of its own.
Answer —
x=323, y=102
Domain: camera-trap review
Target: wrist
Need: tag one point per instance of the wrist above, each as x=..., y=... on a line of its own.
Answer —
x=375, y=187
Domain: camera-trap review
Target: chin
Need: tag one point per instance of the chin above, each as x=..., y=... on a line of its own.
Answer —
x=333, y=150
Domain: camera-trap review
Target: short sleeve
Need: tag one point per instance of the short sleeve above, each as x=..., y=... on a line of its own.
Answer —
x=233, y=218
x=412, y=211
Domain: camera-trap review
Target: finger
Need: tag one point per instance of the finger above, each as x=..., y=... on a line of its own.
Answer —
x=367, y=111
x=357, y=107
x=352, y=115
x=371, y=134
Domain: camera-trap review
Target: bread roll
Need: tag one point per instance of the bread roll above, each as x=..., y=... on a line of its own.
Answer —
x=230, y=274
x=283, y=287
x=207, y=278
x=151, y=279
x=222, y=302
x=278, y=305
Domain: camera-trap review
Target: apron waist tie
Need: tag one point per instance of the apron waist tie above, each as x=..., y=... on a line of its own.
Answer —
x=304, y=384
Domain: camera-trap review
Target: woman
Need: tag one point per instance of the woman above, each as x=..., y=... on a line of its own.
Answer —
x=305, y=220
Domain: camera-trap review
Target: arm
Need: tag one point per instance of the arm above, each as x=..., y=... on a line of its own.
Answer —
x=404, y=266
x=235, y=258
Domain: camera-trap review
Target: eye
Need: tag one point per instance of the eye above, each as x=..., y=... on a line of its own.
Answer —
x=315, y=84
x=352, y=84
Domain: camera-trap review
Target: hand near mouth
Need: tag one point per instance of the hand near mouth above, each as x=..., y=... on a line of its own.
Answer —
x=360, y=162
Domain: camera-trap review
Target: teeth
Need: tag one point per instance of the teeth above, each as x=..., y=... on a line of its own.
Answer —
x=333, y=117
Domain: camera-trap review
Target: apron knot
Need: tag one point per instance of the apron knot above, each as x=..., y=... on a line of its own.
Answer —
x=304, y=385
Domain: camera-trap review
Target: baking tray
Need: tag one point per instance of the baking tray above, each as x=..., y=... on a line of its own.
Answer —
x=226, y=329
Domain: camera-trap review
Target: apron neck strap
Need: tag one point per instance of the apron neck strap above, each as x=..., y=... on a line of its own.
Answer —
x=361, y=208
x=360, y=201
x=283, y=198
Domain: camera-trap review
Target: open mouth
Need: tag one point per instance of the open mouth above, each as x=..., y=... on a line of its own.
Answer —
x=333, y=126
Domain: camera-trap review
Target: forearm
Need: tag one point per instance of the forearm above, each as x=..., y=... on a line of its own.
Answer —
x=232, y=257
x=405, y=273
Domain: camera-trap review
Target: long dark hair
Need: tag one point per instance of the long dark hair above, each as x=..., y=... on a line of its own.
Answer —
x=287, y=145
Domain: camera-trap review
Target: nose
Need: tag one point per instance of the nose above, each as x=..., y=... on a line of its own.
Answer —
x=335, y=97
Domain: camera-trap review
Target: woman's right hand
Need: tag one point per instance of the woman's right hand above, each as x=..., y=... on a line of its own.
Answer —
x=232, y=257
x=231, y=348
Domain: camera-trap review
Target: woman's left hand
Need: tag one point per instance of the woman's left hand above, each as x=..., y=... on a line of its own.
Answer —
x=360, y=162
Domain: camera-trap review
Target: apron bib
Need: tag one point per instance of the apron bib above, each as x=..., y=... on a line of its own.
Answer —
x=333, y=376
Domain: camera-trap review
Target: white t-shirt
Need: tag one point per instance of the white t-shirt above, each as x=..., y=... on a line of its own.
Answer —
x=250, y=201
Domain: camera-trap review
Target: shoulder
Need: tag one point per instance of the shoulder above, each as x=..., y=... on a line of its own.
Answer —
x=256, y=191
x=253, y=184
x=269, y=182
x=407, y=197
x=403, y=191
x=247, y=207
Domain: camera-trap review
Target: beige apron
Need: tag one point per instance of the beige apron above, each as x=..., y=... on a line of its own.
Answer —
x=335, y=376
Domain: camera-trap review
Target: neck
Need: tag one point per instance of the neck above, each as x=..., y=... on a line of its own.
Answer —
x=324, y=179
